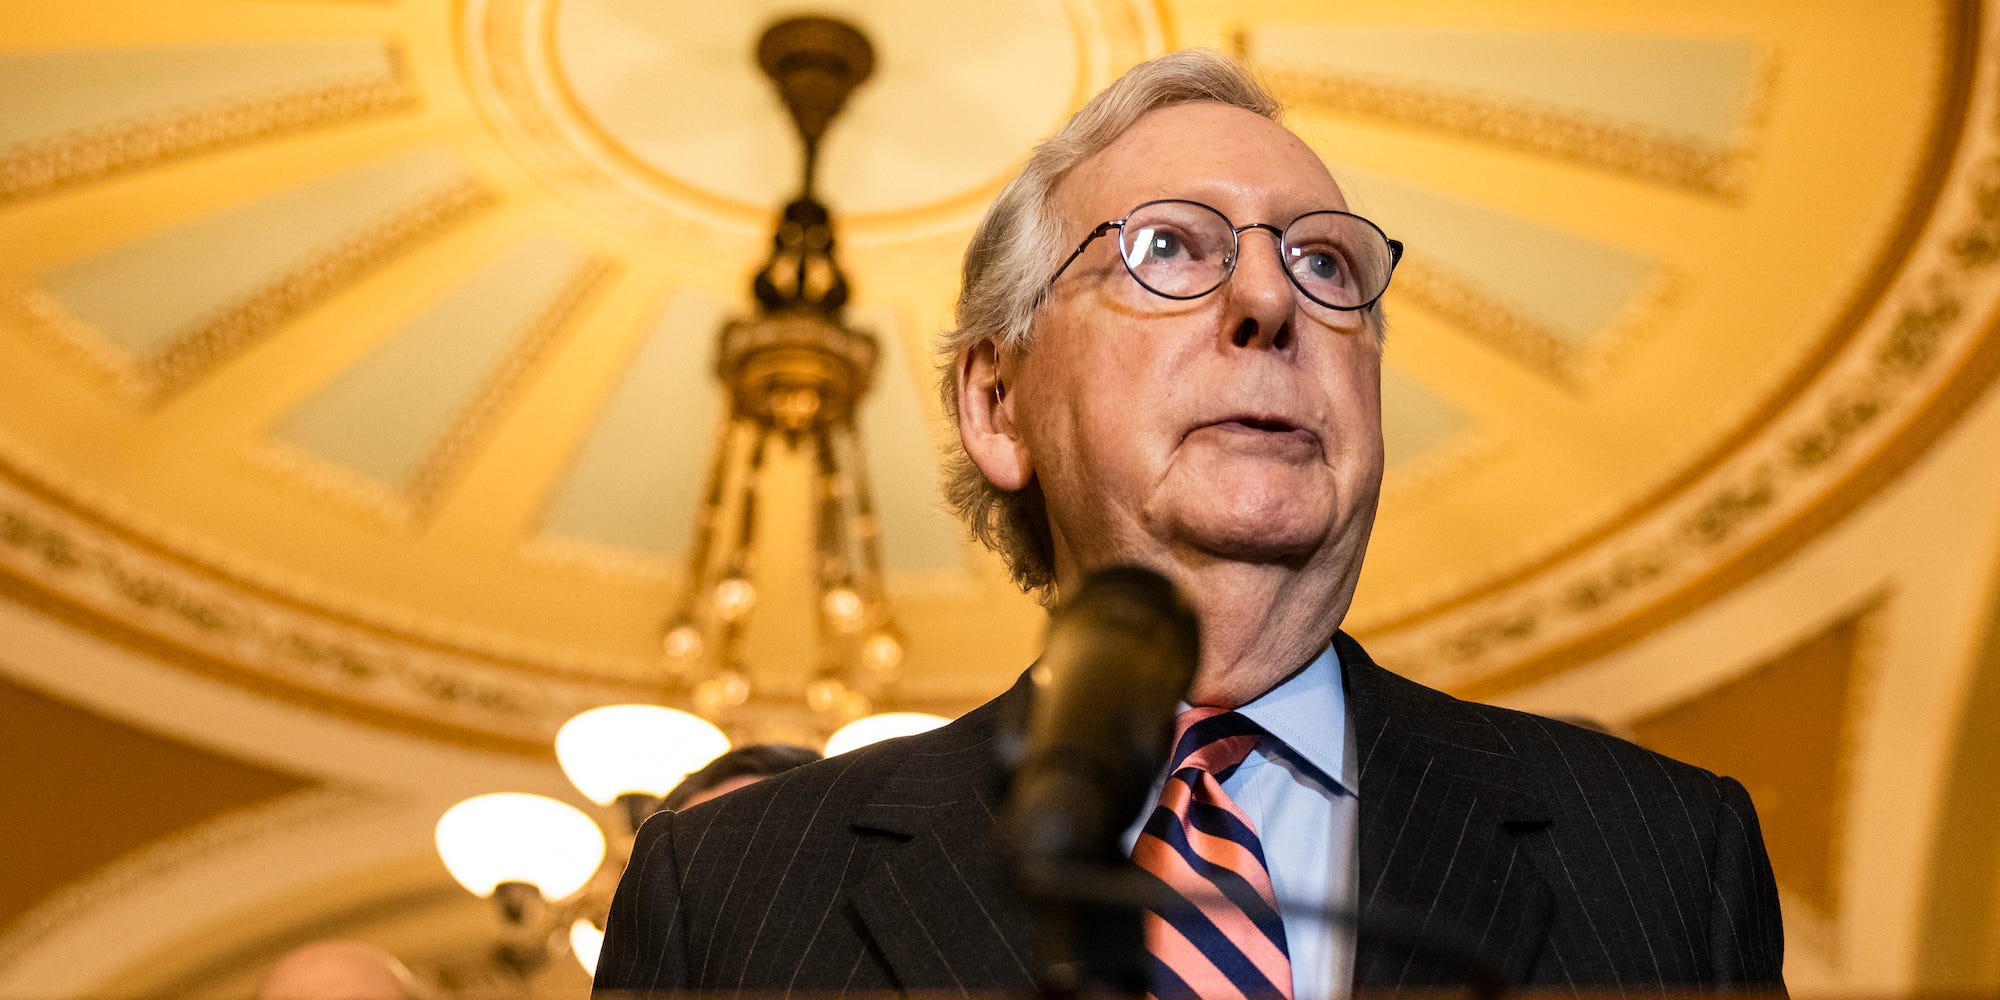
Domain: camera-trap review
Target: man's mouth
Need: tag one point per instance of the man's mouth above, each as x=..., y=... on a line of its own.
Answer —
x=1259, y=427
x=1262, y=424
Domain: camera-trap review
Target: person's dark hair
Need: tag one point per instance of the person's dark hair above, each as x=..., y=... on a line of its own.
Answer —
x=760, y=759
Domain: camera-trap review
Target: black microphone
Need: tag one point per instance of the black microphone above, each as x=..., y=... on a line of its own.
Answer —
x=1120, y=656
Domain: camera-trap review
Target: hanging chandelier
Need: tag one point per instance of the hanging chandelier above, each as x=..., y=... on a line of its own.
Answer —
x=795, y=373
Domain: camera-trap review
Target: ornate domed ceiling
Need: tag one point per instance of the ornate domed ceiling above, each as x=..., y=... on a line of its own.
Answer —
x=361, y=335
x=361, y=350
x=356, y=392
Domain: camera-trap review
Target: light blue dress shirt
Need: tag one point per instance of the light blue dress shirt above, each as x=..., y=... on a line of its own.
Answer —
x=1298, y=788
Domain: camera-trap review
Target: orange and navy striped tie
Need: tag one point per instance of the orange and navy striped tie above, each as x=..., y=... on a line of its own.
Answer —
x=1226, y=939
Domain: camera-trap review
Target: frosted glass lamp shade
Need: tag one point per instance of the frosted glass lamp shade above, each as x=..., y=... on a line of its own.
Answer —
x=516, y=837
x=876, y=728
x=585, y=942
x=634, y=749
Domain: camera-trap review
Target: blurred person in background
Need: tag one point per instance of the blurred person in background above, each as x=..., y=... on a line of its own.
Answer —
x=743, y=766
x=340, y=970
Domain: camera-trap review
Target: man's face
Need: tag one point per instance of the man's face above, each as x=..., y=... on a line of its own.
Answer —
x=1243, y=425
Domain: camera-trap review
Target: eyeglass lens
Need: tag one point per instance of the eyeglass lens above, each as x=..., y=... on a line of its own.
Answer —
x=1182, y=250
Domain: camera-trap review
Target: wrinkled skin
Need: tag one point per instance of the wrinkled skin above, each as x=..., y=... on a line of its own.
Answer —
x=1232, y=441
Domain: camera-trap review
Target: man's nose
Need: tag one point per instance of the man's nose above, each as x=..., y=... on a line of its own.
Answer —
x=1262, y=302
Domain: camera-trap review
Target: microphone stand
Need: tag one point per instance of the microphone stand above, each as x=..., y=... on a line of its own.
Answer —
x=1120, y=653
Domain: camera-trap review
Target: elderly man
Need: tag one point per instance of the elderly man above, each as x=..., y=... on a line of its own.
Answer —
x=1168, y=353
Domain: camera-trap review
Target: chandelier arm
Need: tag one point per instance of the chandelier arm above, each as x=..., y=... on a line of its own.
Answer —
x=728, y=642
x=711, y=518
x=867, y=528
x=827, y=568
x=835, y=567
x=741, y=557
x=733, y=597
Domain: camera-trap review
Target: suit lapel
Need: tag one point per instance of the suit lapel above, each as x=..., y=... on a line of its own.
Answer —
x=1444, y=867
x=1446, y=829
x=938, y=903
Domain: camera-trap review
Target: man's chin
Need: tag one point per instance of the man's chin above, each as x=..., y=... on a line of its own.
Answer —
x=1256, y=515
x=1250, y=540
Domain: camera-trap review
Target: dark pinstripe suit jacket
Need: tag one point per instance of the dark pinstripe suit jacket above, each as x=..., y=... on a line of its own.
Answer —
x=1573, y=858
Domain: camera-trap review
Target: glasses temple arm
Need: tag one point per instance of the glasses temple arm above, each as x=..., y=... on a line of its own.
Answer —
x=1101, y=229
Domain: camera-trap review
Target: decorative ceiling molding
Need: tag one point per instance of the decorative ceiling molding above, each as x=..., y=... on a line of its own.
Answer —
x=1424, y=435
x=1618, y=570
x=52, y=164
x=141, y=872
x=1838, y=447
x=60, y=563
x=475, y=423
x=1470, y=306
x=1933, y=332
x=1556, y=300
x=512, y=59
x=1630, y=118
x=1571, y=137
x=425, y=678
x=409, y=498
x=625, y=497
x=186, y=360
x=161, y=374
x=1584, y=598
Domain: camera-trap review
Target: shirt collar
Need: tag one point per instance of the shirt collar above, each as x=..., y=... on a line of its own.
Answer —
x=1308, y=713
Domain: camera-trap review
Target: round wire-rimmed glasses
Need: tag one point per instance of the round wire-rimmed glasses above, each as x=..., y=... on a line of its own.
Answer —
x=1180, y=249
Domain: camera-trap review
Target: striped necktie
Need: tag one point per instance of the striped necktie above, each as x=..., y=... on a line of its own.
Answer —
x=1226, y=940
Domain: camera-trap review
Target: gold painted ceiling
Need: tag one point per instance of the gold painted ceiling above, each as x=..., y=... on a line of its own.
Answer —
x=355, y=360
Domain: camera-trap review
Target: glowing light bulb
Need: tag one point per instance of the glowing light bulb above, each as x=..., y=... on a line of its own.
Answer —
x=854, y=705
x=682, y=642
x=825, y=694
x=843, y=607
x=882, y=653
x=735, y=686
x=734, y=596
x=727, y=689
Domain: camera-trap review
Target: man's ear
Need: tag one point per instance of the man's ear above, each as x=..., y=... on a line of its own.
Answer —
x=986, y=423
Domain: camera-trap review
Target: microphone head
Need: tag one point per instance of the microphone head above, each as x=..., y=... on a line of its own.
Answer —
x=1120, y=656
